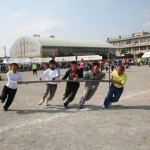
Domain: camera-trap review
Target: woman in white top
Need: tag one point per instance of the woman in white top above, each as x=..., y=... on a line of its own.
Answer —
x=10, y=89
x=52, y=73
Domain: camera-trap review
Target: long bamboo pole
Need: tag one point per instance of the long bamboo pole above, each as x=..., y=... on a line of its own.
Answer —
x=58, y=81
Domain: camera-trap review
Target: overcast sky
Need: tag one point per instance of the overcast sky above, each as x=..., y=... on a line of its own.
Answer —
x=75, y=19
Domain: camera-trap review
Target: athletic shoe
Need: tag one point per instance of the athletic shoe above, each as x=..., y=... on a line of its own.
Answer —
x=46, y=103
x=103, y=106
x=110, y=104
x=2, y=101
x=5, y=109
x=41, y=102
x=66, y=105
x=80, y=106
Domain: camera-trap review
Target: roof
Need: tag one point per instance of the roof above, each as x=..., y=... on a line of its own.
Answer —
x=49, y=41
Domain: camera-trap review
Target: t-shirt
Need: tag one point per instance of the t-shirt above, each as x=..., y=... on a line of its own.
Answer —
x=51, y=74
x=121, y=78
x=12, y=79
x=81, y=64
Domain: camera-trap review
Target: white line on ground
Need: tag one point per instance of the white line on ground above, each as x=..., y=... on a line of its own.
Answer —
x=20, y=125
x=56, y=116
x=136, y=94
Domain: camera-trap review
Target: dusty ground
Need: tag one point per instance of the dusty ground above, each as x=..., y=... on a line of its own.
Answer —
x=124, y=126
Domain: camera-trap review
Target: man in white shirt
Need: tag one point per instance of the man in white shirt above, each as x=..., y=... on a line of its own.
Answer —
x=10, y=89
x=52, y=73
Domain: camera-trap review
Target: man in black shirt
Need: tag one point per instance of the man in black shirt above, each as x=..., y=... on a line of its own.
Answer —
x=72, y=87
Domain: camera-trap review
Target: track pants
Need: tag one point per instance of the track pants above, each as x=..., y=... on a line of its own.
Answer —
x=70, y=92
x=9, y=94
x=51, y=89
x=88, y=93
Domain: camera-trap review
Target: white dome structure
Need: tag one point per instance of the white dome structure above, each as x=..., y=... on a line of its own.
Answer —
x=38, y=46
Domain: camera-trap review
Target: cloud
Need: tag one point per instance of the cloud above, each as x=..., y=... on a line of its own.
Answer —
x=39, y=27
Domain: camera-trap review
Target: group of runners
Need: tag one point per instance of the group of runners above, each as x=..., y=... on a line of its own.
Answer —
x=73, y=76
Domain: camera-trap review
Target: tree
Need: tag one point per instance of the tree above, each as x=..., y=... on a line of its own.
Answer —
x=123, y=51
x=129, y=55
x=140, y=54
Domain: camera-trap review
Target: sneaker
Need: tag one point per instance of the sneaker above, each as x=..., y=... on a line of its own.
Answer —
x=80, y=106
x=110, y=104
x=46, y=103
x=103, y=107
x=66, y=105
x=2, y=101
x=41, y=102
x=5, y=109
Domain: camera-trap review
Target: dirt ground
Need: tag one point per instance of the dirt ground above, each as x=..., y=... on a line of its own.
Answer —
x=124, y=126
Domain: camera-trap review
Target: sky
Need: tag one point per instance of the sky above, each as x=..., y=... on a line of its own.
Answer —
x=73, y=19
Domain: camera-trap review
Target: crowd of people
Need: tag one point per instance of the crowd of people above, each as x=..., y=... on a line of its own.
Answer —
x=73, y=76
x=84, y=65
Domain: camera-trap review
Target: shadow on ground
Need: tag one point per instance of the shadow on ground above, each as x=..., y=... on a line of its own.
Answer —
x=74, y=109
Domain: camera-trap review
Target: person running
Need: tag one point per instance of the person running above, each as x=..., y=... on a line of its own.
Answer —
x=118, y=80
x=71, y=87
x=10, y=89
x=91, y=86
x=52, y=73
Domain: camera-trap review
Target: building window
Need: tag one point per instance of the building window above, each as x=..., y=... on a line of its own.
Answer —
x=142, y=40
x=128, y=42
x=136, y=48
x=136, y=41
x=143, y=48
x=121, y=43
x=115, y=44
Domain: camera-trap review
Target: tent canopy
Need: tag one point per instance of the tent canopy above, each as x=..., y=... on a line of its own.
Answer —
x=146, y=55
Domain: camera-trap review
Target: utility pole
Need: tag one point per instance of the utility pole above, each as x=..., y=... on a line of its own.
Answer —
x=5, y=51
x=109, y=67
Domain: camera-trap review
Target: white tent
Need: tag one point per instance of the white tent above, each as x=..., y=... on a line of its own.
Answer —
x=146, y=55
x=16, y=60
x=90, y=57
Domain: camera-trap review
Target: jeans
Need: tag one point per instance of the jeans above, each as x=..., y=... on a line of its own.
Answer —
x=113, y=95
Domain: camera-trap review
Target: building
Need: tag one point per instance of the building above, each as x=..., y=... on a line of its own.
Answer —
x=135, y=44
x=38, y=46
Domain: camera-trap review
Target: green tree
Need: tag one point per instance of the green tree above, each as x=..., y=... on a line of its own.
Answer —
x=123, y=51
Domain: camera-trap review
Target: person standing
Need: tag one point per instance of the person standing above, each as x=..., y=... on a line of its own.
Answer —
x=81, y=66
x=71, y=87
x=10, y=89
x=91, y=86
x=52, y=73
x=118, y=80
x=34, y=68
